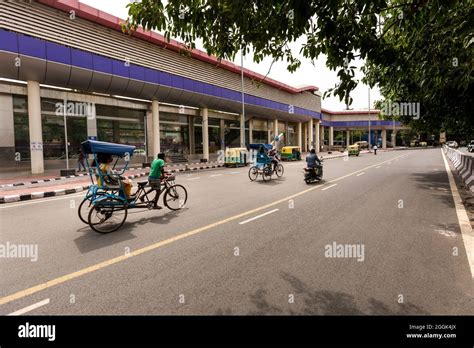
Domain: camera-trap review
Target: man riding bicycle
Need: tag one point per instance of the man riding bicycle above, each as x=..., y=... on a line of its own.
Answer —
x=154, y=179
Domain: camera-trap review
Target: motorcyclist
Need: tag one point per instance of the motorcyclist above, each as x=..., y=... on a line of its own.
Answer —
x=312, y=160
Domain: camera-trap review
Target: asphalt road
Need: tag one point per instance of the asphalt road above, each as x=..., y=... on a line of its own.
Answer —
x=396, y=207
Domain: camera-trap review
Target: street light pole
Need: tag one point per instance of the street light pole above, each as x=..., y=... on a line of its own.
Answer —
x=65, y=135
x=242, y=126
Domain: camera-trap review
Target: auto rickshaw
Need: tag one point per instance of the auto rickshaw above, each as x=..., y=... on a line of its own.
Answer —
x=235, y=156
x=353, y=150
x=291, y=153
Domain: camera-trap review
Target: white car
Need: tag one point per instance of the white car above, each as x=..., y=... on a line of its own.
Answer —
x=470, y=146
x=139, y=152
x=452, y=144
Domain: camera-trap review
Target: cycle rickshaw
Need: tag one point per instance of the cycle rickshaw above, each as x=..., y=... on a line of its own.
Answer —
x=264, y=165
x=105, y=205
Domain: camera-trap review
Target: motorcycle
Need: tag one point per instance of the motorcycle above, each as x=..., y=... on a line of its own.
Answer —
x=313, y=174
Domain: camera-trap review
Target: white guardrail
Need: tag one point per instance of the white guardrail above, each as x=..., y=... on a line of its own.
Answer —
x=464, y=165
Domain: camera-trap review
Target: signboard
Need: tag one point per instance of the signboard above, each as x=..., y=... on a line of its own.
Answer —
x=442, y=137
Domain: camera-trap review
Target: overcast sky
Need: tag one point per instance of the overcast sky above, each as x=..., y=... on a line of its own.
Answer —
x=308, y=74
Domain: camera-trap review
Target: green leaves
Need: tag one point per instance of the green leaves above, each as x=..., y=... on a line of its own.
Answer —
x=415, y=50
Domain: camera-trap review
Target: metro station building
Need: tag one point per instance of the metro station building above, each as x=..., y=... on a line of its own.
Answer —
x=72, y=62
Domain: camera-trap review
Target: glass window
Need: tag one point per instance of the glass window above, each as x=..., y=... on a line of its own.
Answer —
x=22, y=135
x=53, y=135
x=122, y=132
x=174, y=139
x=20, y=102
x=170, y=117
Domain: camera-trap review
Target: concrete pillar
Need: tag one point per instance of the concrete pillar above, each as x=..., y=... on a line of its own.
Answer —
x=35, y=127
x=205, y=133
x=394, y=138
x=275, y=129
x=192, y=140
x=300, y=142
x=348, y=137
x=331, y=136
x=269, y=133
x=317, y=143
x=311, y=134
x=305, y=142
x=250, y=131
x=242, y=130
x=322, y=136
x=155, y=121
x=7, y=127
x=222, y=133
x=92, y=123
x=384, y=138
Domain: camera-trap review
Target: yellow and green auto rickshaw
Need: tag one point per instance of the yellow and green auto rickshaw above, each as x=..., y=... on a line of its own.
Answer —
x=235, y=156
x=353, y=150
x=290, y=153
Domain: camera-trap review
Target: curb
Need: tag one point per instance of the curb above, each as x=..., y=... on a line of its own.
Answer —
x=86, y=174
x=62, y=192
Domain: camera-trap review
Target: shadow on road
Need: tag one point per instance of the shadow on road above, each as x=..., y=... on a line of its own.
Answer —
x=322, y=302
x=437, y=183
x=91, y=240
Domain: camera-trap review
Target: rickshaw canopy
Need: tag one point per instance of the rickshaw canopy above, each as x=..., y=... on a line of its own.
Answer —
x=94, y=146
x=257, y=146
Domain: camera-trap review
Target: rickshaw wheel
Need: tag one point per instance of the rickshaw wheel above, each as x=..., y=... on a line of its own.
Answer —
x=107, y=215
x=85, y=206
x=175, y=197
x=267, y=173
x=253, y=173
x=279, y=170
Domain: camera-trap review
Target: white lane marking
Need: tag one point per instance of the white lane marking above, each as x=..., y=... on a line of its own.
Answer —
x=43, y=200
x=464, y=223
x=295, y=164
x=360, y=174
x=258, y=216
x=214, y=175
x=235, y=172
x=389, y=163
x=327, y=188
x=30, y=308
x=194, y=178
x=377, y=167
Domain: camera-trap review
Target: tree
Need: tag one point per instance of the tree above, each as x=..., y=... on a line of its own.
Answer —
x=418, y=51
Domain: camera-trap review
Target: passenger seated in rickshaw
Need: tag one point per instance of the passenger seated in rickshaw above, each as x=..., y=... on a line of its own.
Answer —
x=109, y=175
x=312, y=160
x=262, y=157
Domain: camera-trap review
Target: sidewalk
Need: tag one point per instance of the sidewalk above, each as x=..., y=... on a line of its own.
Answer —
x=24, y=187
x=42, y=188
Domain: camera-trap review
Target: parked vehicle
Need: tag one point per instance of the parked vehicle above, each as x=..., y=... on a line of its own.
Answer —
x=470, y=146
x=235, y=156
x=290, y=153
x=453, y=144
x=362, y=145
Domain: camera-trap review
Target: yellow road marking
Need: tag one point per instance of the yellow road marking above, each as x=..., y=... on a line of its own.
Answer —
x=106, y=263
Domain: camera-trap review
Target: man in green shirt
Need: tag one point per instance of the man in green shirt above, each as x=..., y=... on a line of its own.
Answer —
x=154, y=179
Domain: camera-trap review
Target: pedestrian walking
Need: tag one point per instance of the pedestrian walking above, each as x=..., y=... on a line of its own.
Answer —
x=375, y=149
x=80, y=161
